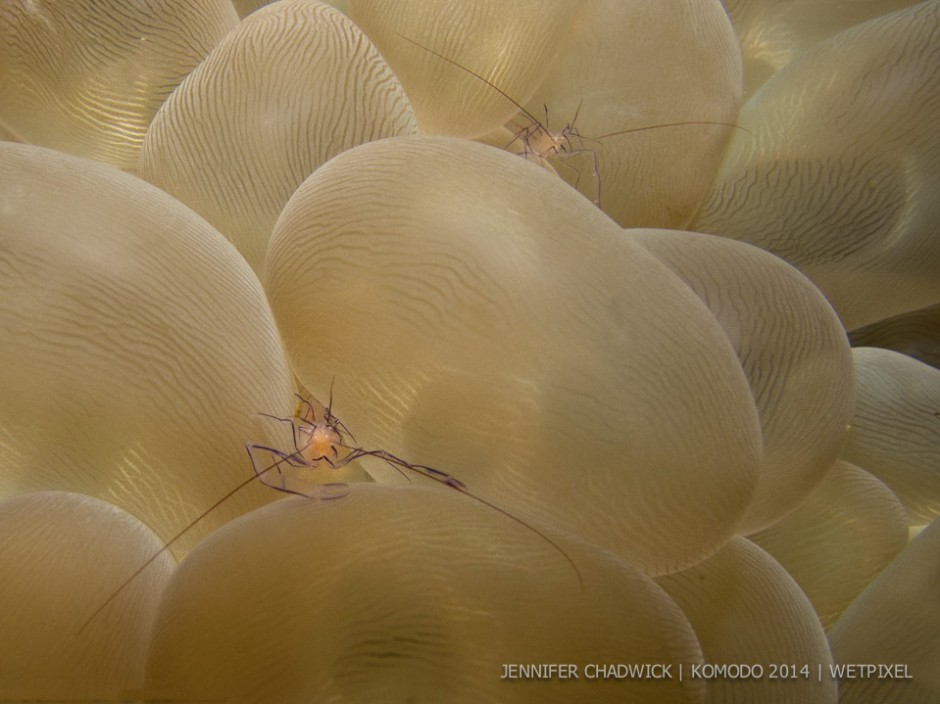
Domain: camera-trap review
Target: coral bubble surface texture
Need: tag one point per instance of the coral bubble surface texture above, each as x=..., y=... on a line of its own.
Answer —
x=137, y=343
x=524, y=343
x=469, y=351
x=839, y=173
x=405, y=594
x=87, y=77
x=59, y=555
x=294, y=84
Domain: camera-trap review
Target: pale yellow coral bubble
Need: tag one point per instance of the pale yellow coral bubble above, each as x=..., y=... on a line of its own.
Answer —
x=895, y=622
x=506, y=43
x=896, y=430
x=773, y=32
x=60, y=556
x=627, y=64
x=246, y=7
x=747, y=611
x=294, y=84
x=406, y=594
x=839, y=172
x=791, y=346
x=138, y=345
x=915, y=334
x=87, y=77
x=482, y=318
x=839, y=539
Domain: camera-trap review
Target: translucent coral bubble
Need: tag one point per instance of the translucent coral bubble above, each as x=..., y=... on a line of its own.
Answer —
x=406, y=594
x=895, y=622
x=296, y=83
x=839, y=539
x=482, y=318
x=915, y=334
x=436, y=46
x=792, y=348
x=747, y=611
x=138, y=345
x=246, y=7
x=896, y=430
x=633, y=64
x=60, y=555
x=839, y=173
x=87, y=77
x=773, y=32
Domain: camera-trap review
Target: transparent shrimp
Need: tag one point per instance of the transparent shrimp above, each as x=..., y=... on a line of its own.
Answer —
x=323, y=440
x=319, y=440
x=539, y=141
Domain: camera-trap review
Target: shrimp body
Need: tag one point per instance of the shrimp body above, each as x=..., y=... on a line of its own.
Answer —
x=319, y=441
x=543, y=142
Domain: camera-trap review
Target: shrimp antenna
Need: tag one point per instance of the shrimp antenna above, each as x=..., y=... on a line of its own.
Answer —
x=329, y=403
x=666, y=124
x=475, y=75
x=328, y=413
x=177, y=537
x=454, y=483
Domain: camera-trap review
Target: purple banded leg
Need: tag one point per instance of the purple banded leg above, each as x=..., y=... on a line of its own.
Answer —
x=293, y=460
x=422, y=469
x=293, y=427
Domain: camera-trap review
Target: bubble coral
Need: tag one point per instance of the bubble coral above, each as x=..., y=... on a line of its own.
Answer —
x=293, y=85
x=451, y=289
x=137, y=343
x=915, y=334
x=792, y=349
x=405, y=593
x=837, y=173
x=839, y=539
x=746, y=610
x=895, y=622
x=48, y=541
x=896, y=430
x=640, y=397
x=87, y=77
x=774, y=32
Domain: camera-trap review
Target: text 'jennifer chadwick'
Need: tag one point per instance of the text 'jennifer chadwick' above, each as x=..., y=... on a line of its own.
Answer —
x=593, y=671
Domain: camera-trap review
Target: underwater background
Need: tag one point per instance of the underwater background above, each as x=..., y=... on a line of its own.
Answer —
x=582, y=350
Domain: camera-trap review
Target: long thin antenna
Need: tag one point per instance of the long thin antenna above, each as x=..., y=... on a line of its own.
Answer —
x=174, y=540
x=454, y=483
x=667, y=124
x=475, y=75
x=577, y=111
